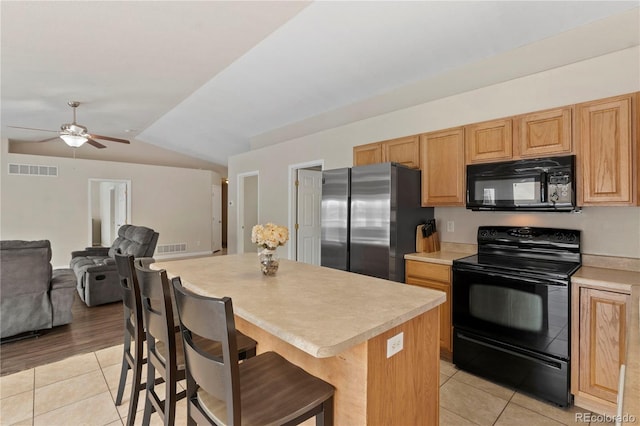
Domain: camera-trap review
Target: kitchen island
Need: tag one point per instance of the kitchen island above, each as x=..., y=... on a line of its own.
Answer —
x=335, y=325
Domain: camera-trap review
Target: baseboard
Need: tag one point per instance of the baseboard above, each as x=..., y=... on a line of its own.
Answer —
x=182, y=255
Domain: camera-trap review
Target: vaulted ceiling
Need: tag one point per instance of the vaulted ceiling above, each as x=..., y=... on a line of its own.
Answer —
x=192, y=83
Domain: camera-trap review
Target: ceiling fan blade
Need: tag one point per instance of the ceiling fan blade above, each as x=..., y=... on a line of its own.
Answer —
x=94, y=143
x=109, y=138
x=49, y=139
x=31, y=128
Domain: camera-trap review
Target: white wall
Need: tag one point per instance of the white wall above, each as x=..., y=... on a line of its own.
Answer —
x=608, y=231
x=176, y=202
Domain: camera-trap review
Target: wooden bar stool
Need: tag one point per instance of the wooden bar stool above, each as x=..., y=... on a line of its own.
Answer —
x=263, y=390
x=165, y=353
x=134, y=336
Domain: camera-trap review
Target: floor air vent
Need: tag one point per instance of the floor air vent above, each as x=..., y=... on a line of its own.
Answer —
x=32, y=170
x=171, y=248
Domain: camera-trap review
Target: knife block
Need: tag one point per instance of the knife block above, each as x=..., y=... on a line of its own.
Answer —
x=428, y=244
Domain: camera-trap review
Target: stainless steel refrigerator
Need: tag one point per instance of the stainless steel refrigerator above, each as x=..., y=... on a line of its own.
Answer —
x=369, y=218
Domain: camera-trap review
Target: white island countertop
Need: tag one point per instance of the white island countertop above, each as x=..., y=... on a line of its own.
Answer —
x=319, y=310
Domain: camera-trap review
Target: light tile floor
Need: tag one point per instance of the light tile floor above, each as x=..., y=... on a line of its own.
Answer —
x=81, y=390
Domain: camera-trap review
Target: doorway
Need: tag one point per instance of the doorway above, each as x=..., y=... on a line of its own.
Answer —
x=247, y=210
x=216, y=219
x=109, y=209
x=305, y=202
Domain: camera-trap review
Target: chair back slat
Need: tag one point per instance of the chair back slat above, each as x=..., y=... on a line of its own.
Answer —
x=157, y=312
x=128, y=282
x=212, y=319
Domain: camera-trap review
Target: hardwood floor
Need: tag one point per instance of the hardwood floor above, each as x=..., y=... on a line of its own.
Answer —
x=91, y=329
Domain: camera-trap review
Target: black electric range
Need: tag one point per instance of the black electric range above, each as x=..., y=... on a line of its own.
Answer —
x=511, y=308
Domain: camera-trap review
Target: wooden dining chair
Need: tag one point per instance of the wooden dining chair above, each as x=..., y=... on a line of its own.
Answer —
x=134, y=336
x=165, y=353
x=263, y=390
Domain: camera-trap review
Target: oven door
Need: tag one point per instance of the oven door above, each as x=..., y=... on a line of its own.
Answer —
x=506, y=192
x=517, y=310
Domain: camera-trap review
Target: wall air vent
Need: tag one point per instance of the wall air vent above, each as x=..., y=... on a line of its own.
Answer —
x=171, y=248
x=32, y=170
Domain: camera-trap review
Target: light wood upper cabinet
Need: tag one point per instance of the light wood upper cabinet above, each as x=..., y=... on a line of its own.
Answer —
x=443, y=168
x=489, y=141
x=367, y=154
x=405, y=151
x=436, y=277
x=607, y=150
x=543, y=133
x=600, y=323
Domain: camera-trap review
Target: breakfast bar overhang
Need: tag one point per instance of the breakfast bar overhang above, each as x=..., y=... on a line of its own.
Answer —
x=336, y=325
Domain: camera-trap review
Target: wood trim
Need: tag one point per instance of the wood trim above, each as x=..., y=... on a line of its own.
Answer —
x=635, y=147
x=575, y=339
x=596, y=405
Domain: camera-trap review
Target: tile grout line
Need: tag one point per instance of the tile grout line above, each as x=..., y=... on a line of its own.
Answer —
x=33, y=413
x=108, y=388
x=33, y=398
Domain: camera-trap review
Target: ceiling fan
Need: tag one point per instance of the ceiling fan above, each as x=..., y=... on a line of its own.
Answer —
x=74, y=134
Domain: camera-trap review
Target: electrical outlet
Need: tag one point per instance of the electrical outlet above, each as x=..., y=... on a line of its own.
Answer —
x=450, y=226
x=395, y=344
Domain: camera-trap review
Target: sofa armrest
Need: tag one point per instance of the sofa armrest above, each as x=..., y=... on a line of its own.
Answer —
x=146, y=261
x=63, y=278
x=91, y=251
x=95, y=269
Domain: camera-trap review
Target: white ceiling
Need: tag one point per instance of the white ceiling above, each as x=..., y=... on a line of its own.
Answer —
x=212, y=79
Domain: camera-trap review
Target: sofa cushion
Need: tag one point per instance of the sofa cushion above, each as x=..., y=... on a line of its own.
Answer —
x=25, y=276
x=132, y=240
x=25, y=262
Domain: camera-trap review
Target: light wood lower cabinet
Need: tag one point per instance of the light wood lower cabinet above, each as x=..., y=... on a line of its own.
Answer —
x=599, y=320
x=436, y=277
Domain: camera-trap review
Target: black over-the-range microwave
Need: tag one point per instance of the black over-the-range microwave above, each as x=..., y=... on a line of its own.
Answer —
x=540, y=184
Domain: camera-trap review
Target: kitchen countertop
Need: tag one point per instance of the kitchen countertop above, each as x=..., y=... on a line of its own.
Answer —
x=319, y=310
x=441, y=257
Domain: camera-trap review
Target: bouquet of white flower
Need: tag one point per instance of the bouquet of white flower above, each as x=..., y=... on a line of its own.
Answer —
x=269, y=236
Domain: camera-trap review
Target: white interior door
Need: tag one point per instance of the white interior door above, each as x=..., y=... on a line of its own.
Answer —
x=109, y=209
x=120, y=208
x=107, y=213
x=216, y=220
x=308, y=207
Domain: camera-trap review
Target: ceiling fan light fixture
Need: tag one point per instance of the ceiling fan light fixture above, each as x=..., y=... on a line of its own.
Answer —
x=74, y=140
